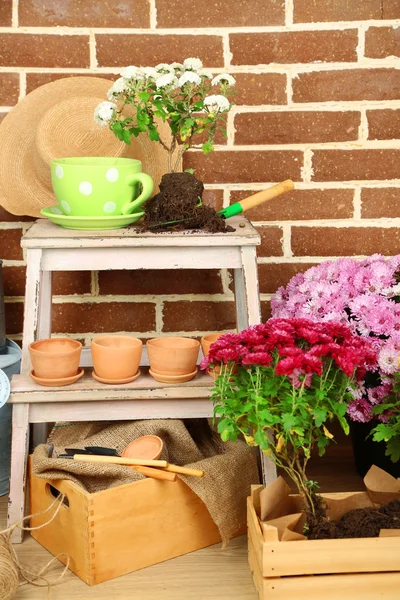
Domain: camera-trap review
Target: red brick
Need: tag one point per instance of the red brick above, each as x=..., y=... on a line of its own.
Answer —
x=380, y=203
x=145, y=50
x=198, y=316
x=9, y=89
x=383, y=124
x=84, y=13
x=271, y=241
x=295, y=127
x=345, y=241
x=265, y=310
x=37, y=50
x=186, y=13
x=35, y=80
x=193, y=281
x=14, y=281
x=8, y=217
x=14, y=312
x=293, y=47
x=349, y=165
x=334, y=10
x=10, y=244
x=5, y=13
x=272, y=276
x=260, y=88
x=301, y=205
x=381, y=42
x=103, y=317
x=245, y=166
x=71, y=282
x=349, y=85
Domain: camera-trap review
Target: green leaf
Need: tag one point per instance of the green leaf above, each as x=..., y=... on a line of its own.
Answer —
x=145, y=96
x=126, y=136
x=207, y=147
x=153, y=134
x=191, y=171
x=393, y=449
x=288, y=421
x=382, y=433
x=320, y=416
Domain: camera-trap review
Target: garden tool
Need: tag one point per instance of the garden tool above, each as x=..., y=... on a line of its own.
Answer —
x=247, y=203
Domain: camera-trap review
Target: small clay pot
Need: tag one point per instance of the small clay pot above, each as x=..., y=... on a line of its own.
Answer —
x=207, y=340
x=116, y=356
x=55, y=358
x=173, y=355
x=146, y=446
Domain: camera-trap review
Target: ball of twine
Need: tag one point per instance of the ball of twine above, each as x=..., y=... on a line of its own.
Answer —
x=8, y=571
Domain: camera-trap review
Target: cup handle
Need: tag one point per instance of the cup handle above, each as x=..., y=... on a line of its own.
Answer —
x=147, y=189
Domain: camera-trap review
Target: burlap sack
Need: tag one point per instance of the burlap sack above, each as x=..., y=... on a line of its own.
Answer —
x=230, y=468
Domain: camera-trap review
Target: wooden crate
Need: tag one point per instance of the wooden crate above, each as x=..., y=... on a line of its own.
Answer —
x=349, y=569
x=123, y=529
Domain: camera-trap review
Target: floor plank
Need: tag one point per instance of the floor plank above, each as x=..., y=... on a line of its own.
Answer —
x=209, y=574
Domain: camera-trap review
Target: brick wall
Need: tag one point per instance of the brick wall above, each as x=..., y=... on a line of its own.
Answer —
x=318, y=101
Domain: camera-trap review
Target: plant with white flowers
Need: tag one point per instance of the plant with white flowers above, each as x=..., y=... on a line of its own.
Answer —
x=180, y=94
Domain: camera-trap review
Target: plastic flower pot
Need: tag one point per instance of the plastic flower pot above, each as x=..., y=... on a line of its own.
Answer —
x=116, y=357
x=173, y=355
x=207, y=340
x=55, y=358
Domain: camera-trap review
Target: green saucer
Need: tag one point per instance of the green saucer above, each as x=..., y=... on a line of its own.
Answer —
x=89, y=223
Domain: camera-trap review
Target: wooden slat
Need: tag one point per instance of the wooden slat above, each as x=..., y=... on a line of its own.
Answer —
x=44, y=234
x=88, y=389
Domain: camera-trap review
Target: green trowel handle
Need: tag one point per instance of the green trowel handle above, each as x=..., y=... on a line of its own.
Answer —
x=256, y=199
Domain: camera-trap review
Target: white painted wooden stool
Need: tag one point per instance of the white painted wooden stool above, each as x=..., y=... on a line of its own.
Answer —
x=51, y=248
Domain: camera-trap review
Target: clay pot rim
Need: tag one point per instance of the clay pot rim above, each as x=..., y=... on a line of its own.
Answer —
x=162, y=343
x=76, y=345
x=206, y=338
x=146, y=437
x=97, y=341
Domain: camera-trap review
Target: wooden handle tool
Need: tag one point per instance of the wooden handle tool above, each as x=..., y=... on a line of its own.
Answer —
x=184, y=470
x=155, y=473
x=119, y=460
x=259, y=198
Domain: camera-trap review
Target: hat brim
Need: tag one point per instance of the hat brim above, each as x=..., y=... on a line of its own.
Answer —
x=23, y=190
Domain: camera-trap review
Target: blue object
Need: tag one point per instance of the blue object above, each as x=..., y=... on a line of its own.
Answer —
x=10, y=364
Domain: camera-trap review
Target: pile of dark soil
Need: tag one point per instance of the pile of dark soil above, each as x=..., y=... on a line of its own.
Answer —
x=178, y=200
x=360, y=523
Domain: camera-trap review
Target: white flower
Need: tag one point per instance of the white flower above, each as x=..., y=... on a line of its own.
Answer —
x=217, y=103
x=128, y=72
x=165, y=67
x=206, y=74
x=176, y=65
x=104, y=112
x=117, y=88
x=192, y=64
x=149, y=72
x=225, y=77
x=189, y=76
x=168, y=79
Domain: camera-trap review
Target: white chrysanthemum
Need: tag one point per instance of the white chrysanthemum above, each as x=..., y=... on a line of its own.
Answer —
x=189, y=77
x=117, y=88
x=128, y=72
x=104, y=112
x=217, y=103
x=150, y=72
x=167, y=80
x=192, y=64
x=225, y=78
x=206, y=74
x=165, y=67
x=176, y=65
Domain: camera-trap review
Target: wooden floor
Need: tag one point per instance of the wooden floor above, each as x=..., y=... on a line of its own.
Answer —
x=209, y=574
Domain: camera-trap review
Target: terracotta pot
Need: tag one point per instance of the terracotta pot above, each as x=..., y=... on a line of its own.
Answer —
x=116, y=356
x=207, y=340
x=55, y=358
x=173, y=355
x=146, y=446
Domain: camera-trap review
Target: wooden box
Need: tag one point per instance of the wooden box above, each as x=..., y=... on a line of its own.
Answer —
x=347, y=569
x=123, y=529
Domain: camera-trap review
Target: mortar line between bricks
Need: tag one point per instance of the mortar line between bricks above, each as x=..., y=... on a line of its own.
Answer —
x=159, y=316
x=384, y=222
x=282, y=260
x=227, y=54
x=293, y=27
x=94, y=283
x=357, y=204
x=226, y=198
x=363, y=128
x=142, y=299
x=22, y=86
x=153, y=14
x=287, y=240
x=14, y=17
x=331, y=106
x=289, y=10
x=92, y=50
x=307, y=170
x=312, y=185
x=290, y=146
x=230, y=130
x=13, y=263
x=361, y=42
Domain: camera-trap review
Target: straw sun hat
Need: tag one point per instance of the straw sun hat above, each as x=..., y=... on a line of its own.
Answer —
x=56, y=121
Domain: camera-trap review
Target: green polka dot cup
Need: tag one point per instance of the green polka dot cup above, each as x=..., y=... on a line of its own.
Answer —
x=99, y=186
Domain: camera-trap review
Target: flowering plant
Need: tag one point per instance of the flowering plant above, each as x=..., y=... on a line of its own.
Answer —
x=176, y=93
x=365, y=295
x=281, y=383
